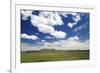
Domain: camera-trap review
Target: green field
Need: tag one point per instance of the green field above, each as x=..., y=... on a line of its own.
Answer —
x=53, y=55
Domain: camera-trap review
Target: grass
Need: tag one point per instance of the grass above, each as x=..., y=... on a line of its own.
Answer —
x=45, y=55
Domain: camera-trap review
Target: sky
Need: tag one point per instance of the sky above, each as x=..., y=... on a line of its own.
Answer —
x=54, y=30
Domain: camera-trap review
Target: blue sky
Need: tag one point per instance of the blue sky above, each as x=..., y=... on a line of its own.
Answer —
x=50, y=29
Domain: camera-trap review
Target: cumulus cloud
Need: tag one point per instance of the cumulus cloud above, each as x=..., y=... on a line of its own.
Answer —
x=26, y=14
x=53, y=18
x=47, y=18
x=32, y=37
x=76, y=17
x=71, y=25
x=45, y=28
x=45, y=22
x=59, y=34
x=65, y=14
x=41, y=24
x=74, y=38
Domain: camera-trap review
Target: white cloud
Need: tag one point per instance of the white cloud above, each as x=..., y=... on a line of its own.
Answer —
x=43, y=41
x=59, y=34
x=45, y=22
x=41, y=24
x=66, y=45
x=26, y=14
x=74, y=38
x=74, y=14
x=32, y=37
x=64, y=14
x=53, y=18
x=45, y=28
x=76, y=17
x=58, y=45
x=47, y=18
x=71, y=25
x=38, y=20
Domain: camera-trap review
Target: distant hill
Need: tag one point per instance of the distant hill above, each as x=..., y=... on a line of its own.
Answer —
x=52, y=50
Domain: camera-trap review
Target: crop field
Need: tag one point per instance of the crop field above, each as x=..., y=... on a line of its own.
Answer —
x=53, y=55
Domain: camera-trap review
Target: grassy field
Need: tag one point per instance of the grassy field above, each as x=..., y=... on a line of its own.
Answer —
x=53, y=55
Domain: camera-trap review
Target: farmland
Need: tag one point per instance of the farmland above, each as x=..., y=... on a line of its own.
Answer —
x=53, y=55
